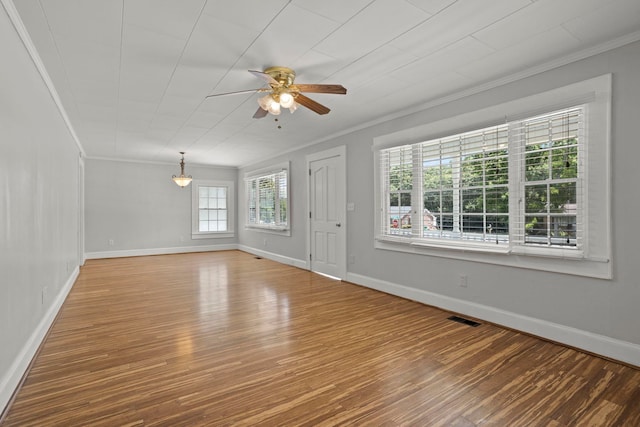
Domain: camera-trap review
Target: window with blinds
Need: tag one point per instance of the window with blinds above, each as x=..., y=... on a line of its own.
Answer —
x=551, y=212
x=268, y=199
x=515, y=184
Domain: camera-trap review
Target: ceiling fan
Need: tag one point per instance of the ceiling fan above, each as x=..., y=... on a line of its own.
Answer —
x=284, y=93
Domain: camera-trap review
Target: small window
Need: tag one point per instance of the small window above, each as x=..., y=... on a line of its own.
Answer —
x=268, y=199
x=212, y=206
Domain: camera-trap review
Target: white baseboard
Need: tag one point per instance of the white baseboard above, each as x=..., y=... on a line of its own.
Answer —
x=11, y=380
x=209, y=248
x=159, y=251
x=594, y=343
x=275, y=257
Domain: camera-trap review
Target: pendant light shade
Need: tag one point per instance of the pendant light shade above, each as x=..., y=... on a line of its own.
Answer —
x=182, y=180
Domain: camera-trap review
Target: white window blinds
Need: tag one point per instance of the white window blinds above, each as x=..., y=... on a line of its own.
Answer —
x=267, y=199
x=518, y=183
x=551, y=200
x=465, y=191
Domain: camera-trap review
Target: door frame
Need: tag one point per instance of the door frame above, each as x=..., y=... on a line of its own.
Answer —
x=341, y=153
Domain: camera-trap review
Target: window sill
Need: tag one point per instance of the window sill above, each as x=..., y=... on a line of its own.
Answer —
x=213, y=235
x=565, y=262
x=463, y=246
x=269, y=229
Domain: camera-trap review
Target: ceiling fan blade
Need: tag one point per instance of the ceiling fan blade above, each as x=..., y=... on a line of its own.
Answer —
x=264, y=76
x=260, y=113
x=311, y=104
x=237, y=92
x=319, y=88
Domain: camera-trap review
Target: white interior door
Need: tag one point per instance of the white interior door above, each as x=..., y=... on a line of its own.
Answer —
x=327, y=214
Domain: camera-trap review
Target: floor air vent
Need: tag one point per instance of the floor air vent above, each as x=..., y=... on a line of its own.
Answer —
x=463, y=320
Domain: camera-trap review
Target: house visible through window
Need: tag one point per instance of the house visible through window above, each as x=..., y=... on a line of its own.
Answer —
x=268, y=199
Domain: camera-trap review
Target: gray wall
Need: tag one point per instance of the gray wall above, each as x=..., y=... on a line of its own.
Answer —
x=598, y=306
x=292, y=247
x=139, y=207
x=39, y=209
x=607, y=308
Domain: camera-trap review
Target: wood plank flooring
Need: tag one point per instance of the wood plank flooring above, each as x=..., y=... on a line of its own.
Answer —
x=224, y=338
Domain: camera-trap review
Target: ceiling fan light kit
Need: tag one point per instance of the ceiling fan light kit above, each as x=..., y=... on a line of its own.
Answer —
x=283, y=93
x=286, y=100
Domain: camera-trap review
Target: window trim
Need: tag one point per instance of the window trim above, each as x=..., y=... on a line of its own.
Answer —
x=595, y=261
x=259, y=173
x=195, y=206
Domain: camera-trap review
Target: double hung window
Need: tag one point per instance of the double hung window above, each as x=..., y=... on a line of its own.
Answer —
x=212, y=209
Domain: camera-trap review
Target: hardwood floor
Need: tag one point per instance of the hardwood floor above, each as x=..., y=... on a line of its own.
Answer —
x=224, y=338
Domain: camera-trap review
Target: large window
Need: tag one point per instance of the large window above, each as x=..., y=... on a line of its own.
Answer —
x=268, y=199
x=212, y=209
x=457, y=188
x=536, y=185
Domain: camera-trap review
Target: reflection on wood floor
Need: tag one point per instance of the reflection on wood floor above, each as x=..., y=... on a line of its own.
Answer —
x=223, y=338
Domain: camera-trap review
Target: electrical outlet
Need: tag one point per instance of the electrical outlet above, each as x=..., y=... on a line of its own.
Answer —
x=352, y=259
x=463, y=281
x=264, y=243
x=111, y=242
x=44, y=295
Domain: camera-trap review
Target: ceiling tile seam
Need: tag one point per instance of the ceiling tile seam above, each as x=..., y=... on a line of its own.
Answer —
x=336, y=29
x=249, y=47
x=493, y=49
x=222, y=119
x=443, y=48
x=550, y=65
x=173, y=72
x=453, y=42
x=24, y=36
x=575, y=36
x=337, y=22
x=390, y=40
x=64, y=67
x=222, y=78
x=503, y=18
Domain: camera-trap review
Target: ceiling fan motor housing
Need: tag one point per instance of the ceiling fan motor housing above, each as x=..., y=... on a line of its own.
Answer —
x=283, y=75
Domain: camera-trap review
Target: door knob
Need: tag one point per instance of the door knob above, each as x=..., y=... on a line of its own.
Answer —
x=338, y=224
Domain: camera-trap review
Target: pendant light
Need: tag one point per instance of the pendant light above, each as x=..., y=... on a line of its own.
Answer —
x=182, y=180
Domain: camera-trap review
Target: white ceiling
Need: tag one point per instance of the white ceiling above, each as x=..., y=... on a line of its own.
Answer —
x=133, y=74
